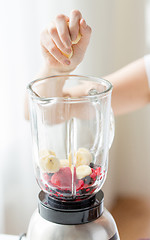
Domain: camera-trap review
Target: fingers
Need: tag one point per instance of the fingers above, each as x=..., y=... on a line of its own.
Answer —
x=56, y=39
x=48, y=43
x=74, y=27
x=78, y=24
x=85, y=31
x=63, y=31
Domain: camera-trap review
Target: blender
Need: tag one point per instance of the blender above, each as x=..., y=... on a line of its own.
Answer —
x=72, y=130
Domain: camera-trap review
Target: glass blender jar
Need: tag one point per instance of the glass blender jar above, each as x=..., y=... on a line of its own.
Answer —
x=71, y=135
x=72, y=129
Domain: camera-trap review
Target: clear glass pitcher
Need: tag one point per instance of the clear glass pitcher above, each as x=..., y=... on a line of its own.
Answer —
x=72, y=129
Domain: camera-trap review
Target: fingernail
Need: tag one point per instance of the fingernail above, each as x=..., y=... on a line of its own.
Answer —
x=67, y=62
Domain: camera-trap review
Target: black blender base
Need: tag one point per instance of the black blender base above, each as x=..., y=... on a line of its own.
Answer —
x=115, y=237
x=70, y=212
x=85, y=219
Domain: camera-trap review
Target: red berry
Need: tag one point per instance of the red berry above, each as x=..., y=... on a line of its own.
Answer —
x=98, y=171
x=63, y=178
x=86, y=185
x=87, y=190
x=93, y=175
x=92, y=191
x=79, y=184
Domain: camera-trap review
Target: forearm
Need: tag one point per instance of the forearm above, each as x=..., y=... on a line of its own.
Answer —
x=46, y=71
x=131, y=90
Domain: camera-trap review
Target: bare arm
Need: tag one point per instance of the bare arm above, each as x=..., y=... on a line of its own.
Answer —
x=57, y=42
x=44, y=72
x=131, y=90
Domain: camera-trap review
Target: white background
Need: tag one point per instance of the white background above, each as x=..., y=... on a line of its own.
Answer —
x=121, y=34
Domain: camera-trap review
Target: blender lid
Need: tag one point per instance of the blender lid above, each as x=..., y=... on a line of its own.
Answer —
x=70, y=212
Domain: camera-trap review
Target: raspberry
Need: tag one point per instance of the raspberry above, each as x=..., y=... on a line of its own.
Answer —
x=93, y=175
x=63, y=178
x=98, y=171
x=93, y=170
x=79, y=185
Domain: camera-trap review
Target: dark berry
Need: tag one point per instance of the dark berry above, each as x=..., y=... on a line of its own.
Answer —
x=50, y=174
x=91, y=165
x=87, y=180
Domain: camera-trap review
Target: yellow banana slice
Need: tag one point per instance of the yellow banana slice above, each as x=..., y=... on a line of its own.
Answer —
x=64, y=163
x=50, y=164
x=77, y=39
x=83, y=157
x=68, y=55
x=44, y=153
x=83, y=171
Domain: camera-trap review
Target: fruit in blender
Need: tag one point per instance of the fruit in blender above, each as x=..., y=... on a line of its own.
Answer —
x=83, y=157
x=64, y=163
x=62, y=178
x=83, y=171
x=45, y=153
x=50, y=164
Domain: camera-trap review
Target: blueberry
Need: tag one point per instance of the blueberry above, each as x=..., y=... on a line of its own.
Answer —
x=83, y=191
x=87, y=180
x=91, y=165
x=80, y=192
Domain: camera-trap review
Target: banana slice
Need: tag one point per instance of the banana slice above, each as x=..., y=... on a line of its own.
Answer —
x=45, y=153
x=77, y=39
x=64, y=163
x=50, y=164
x=83, y=171
x=68, y=55
x=83, y=156
x=73, y=42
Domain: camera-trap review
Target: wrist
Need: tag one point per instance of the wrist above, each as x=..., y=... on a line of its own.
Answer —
x=47, y=70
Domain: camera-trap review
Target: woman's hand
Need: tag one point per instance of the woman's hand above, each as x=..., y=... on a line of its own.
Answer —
x=57, y=39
